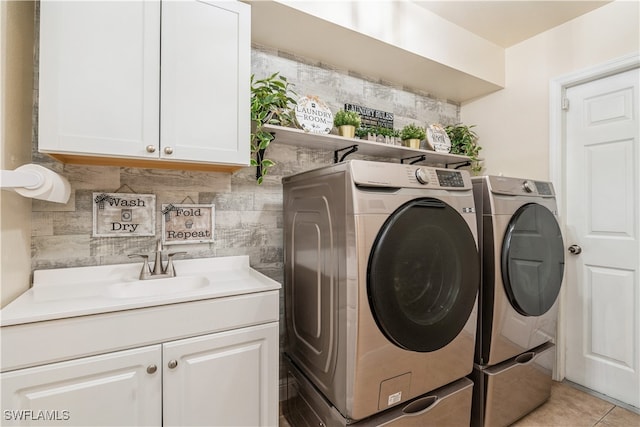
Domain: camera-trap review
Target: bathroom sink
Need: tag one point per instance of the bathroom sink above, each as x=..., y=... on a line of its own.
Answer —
x=156, y=287
x=81, y=291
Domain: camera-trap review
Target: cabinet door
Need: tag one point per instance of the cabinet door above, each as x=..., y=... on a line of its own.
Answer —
x=99, y=77
x=113, y=389
x=206, y=60
x=224, y=379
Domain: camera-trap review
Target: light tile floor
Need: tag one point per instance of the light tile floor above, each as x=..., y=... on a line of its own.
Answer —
x=570, y=407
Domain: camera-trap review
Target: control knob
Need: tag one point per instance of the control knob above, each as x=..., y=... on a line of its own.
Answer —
x=528, y=186
x=421, y=176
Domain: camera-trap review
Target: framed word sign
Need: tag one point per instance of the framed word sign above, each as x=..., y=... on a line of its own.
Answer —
x=124, y=214
x=370, y=117
x=438, y=138
x=187, y=223
x=314, y=115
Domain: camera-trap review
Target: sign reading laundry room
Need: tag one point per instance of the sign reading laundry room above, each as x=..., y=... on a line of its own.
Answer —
x=187, y=223
x=124, y=214
x=314, y=115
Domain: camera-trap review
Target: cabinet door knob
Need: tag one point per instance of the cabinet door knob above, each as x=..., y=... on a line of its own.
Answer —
x=151, y=148
x=151, y=369
x=172, y=364
x=168, y=150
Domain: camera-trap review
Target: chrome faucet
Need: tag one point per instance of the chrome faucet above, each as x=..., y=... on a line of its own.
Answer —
x=159, y=271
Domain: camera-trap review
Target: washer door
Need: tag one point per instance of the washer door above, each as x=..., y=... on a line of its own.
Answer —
x=532, y=260
x=423, y=275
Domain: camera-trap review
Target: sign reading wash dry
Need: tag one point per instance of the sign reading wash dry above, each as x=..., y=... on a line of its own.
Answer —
x=124, y=214
x=187, y=223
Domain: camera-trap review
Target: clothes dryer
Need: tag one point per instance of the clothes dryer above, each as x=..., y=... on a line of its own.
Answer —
x=522, y=259
x=381, y=281
x=522, y=255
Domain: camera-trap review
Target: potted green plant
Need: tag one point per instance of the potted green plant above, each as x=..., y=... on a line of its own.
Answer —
x=412, y=134
x=362, y=132
x=346, y=122
x=271, y=103
x=464, y=141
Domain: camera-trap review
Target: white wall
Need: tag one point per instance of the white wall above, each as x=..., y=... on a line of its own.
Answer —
x=513, y=124
x=16, y=86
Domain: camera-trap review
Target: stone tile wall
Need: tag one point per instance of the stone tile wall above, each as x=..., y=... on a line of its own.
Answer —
x=248, y=217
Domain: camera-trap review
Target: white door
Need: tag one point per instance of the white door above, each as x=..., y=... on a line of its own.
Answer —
x=603, y=221
x=114, y=389
x=224, y=379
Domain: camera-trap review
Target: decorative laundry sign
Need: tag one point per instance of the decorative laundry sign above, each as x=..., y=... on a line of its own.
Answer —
x=187, y=223
x=124, y=214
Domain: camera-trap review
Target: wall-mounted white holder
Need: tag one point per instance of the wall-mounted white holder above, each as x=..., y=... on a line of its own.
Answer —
x=37, y=182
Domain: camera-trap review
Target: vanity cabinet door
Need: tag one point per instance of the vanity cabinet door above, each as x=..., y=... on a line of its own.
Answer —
x=114, y=389
x=99, y=75
x=223, y=379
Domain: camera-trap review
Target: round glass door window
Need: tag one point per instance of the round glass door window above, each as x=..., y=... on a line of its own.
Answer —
x=423, y=275
x=532, y=260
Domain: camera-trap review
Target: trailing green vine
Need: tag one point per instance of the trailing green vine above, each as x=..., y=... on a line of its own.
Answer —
x=271, y=103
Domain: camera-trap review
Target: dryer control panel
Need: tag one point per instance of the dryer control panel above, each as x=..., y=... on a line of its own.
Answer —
x=519, y=187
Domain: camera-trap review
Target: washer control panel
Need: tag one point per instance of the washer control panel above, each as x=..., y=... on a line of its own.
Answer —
x=440, y=177
x=449, y=178
x=380, y=174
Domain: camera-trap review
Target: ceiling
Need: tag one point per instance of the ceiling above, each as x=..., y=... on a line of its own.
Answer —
x=509, y=22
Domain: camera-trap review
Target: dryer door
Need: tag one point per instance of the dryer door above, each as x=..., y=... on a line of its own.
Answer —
x=423, y=275
x=532, y=260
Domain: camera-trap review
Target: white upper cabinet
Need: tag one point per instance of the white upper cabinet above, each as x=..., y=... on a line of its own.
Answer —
x=99, y=76
x=145, y=83
x=205, y=81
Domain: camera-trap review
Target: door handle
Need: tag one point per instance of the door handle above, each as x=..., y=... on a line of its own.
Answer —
x=575, y=249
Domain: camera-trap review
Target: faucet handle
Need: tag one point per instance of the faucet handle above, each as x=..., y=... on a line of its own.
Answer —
x=170, y=269
x=146, y=269
x=145, y=257
x=176, y=253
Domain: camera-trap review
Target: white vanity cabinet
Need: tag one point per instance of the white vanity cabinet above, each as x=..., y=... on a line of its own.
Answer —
x=224, y=379
x=145, y=83
x=77, y=353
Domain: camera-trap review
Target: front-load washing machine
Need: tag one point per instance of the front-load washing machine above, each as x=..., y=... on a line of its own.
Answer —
x=381, y=280
x=522, y=258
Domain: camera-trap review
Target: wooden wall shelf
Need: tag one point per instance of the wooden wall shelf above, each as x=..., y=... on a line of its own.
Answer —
x=340, y=145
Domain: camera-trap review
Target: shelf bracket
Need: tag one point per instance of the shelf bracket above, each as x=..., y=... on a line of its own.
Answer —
x=352, y=149
x=260, y=157
x=460, y=164
x=414, y=159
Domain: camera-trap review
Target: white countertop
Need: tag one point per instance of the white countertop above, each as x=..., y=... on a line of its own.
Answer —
x=80, y=291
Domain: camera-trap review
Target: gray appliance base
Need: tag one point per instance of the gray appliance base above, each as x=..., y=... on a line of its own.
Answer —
x=508, y=391
x=305, y=406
